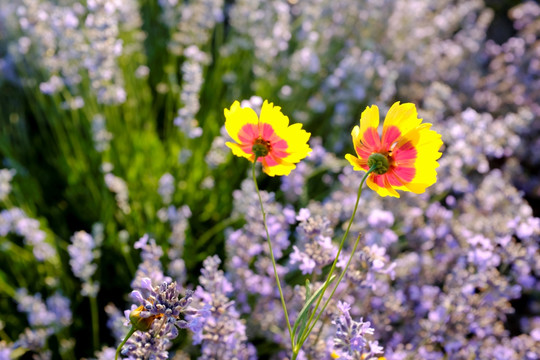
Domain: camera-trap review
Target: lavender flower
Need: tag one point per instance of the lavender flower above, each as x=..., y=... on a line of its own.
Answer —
x=34, y=340
x=218, y=152
x=192, y=84
x=380, y=221
x=16, y=221
x=5, y=178
x=315, y=238
x=166, y=188
x=106, y=353
x=164, y=301
x=220, y=332
x=5, y=351
x=54, y=313
x=119, y=187
x=150, y=267
x=352, y=337
x=116, y=322
x=153, y=344
x=100, y=135
x=163, y=307
x=81, y=252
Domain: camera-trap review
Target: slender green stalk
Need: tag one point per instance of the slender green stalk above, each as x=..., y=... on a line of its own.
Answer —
x=95, y=321
x=302, y=340
x=311, y=321
x=272, y=253
x=131, y=331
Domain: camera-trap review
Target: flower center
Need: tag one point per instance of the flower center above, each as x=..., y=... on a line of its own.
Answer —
x=380, y=161
x=261, y=147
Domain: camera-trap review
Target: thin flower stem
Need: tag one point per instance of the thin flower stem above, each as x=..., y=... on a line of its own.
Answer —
x=95, y=321
x=311, y=323
x=334, y=289
x=272, y=253
x=131, y=331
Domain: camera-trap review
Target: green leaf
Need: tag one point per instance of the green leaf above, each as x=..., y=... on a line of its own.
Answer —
x=301, y=319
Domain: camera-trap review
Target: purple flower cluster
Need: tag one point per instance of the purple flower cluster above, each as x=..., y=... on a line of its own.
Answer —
x=54, y=313
x=315, y=238
x=164, y=301
x=16, y=221
x=150, y=267
x=45, y=319
x=352, y=337
x=153, y=344
x=164, y=305
x=220, y=331
x=449, y=274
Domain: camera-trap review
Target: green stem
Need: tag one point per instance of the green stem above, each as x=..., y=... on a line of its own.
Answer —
x=131, y=331
x=333, y=290
x=272, y=253
x=95, y=321
x=311, y=323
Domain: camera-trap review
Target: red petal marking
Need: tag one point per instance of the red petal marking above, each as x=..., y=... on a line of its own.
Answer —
x=279, y=154
x=363, y=152
x=405, y=155
x=369, y=143
x=403, y=174
x=378, y=179
x=248, y=133
x=247, y=148
x=390, y=135
x=267, y=131
x=278, y=143
x=271, y=160
x=251, y=132
x=371, y=140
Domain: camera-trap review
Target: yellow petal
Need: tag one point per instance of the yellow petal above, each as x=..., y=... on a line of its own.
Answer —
x=382, y=191
x=272, y=115
x=369, y=119
x=428, y=143
x=356, y=162
x=237, y=150
x=403, y=116
x=236, y=117
x=297, y=145
x=279, y=170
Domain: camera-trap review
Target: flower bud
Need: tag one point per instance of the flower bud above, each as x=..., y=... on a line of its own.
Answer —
x=139, y=322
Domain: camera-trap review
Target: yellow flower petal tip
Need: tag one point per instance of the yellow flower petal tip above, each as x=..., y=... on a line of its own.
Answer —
x=404, y=157
x=267, y=138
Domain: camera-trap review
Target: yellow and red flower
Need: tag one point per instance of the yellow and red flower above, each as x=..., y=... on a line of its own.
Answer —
x=269, y=139
x=406, y=155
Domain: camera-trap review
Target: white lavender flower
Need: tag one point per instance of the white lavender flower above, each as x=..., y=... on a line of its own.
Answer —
x=192, y=80
x=5, y=182
x=166, y=187
x=100, y=135
x=82, y=254
x=119, y=187
x=16, y=221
